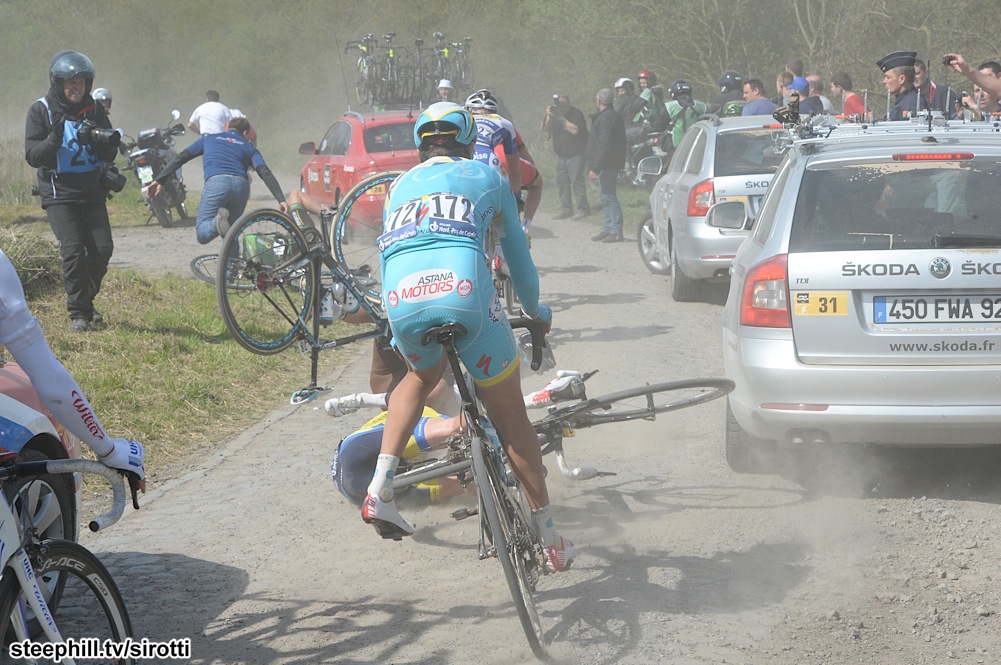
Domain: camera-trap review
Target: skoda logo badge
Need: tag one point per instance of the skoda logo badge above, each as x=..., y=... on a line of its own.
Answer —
x=940, y=267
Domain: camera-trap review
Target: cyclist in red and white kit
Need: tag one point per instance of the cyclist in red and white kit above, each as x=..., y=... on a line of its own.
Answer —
x=22, y=336
x=491, y=131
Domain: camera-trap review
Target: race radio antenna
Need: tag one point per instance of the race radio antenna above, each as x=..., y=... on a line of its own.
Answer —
x=344, y=76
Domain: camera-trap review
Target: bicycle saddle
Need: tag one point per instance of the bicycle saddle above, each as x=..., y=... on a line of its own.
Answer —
x=442, y=334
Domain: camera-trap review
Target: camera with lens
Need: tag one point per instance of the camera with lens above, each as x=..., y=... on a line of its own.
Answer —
x=92, y=135
x=111, y=179
x=556, y=101
x=947, y=60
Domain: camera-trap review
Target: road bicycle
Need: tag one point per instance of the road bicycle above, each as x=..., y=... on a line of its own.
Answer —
x=365, y=81
x=506, y=531
x=274, y=274
x=53, y=581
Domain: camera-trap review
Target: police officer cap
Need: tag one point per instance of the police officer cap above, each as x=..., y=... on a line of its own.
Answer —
x=897, y=59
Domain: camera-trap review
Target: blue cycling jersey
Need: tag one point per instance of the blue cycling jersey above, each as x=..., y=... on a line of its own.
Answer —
x=435, y=270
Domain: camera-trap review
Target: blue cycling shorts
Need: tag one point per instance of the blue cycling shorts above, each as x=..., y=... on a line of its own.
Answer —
x=450, y=284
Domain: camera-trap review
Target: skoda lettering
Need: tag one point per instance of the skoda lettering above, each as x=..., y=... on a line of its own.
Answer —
x=878, y=269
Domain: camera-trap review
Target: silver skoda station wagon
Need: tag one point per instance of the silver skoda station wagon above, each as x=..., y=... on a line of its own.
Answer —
x=865, y=307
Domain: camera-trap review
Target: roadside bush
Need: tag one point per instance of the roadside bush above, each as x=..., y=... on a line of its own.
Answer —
x=36, y=258
x=15, y=175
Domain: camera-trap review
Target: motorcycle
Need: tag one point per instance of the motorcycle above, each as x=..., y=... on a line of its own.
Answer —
x=147, y=155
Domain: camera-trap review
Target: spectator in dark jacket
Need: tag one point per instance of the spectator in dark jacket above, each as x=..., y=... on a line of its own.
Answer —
x=606, y=153
x=569, y=131
x=64, y=141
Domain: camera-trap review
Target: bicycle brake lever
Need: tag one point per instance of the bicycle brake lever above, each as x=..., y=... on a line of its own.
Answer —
x=134, y=485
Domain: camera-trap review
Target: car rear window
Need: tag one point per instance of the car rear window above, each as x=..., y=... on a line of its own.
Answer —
x=894, y=206
x=387, y=138
x=746, y=153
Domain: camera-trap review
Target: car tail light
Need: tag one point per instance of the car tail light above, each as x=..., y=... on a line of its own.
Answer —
x=764, y=302
x=933, y=157
x=701, y=198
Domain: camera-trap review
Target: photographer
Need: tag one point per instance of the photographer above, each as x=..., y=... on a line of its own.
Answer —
x=684, y=110
x=568, y=128
x=69, y=139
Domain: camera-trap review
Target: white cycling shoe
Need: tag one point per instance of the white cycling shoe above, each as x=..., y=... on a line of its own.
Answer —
x=559, y=557
x=342, y=406
x=385, y=518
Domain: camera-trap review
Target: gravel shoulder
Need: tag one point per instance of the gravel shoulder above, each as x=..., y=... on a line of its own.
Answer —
x=892, y=559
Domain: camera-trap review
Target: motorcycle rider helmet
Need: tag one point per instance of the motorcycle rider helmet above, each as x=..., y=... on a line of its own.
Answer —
x=730, y=80
x=651, y=78
x=102, y=95
x=482, y=100
x=68, y=65
x=443, y=119
x=624, y=83
x=680, y=88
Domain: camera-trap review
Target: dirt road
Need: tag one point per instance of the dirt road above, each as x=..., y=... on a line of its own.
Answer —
x=256, y=559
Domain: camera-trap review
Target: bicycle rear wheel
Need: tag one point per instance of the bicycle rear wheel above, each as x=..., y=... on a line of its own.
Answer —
x=91, y=606
x=358, y=227
x=513, y=540
x=642, y=402
x=265, y=282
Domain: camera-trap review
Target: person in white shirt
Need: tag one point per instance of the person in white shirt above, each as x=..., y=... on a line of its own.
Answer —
x=211, y=117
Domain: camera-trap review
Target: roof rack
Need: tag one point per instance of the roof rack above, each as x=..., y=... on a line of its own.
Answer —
x=822, y=129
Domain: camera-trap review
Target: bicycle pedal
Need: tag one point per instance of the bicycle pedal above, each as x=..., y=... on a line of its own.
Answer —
x=463, y=513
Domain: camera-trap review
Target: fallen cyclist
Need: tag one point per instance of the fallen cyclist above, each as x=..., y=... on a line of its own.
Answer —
x=356, y=455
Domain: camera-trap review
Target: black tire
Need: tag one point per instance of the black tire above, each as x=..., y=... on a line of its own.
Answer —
x=182, y=210
x=92, y=605
x=50, y=502
x=744, y=453
x=205, y=267
x=683, y=287
x=265, y=282
x=646, y=241
x=358, y=226
x=163, y=214
x=512, y=537
x=641, y=402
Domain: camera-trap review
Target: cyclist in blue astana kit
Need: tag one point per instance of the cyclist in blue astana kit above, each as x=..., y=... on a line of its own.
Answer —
x=434, y=271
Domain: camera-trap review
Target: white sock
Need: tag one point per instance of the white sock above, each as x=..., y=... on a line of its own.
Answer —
x=382, y=480
x=543, y=520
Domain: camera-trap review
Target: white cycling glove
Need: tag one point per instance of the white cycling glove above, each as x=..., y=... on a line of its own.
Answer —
x=126, y=455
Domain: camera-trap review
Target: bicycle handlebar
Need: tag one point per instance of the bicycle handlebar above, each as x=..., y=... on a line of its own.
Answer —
x=114, y=477
x=538, y=330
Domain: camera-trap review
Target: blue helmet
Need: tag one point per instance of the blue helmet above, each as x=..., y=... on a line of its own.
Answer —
x=445, y=118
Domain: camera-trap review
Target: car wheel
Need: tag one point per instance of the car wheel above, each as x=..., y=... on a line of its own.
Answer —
x=683, y=287
x=646, y=240
x=744, y=453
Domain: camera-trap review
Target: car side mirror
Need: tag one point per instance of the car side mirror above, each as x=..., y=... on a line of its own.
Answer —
x=727, y=215
x=308, y=148
x=650, y=166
